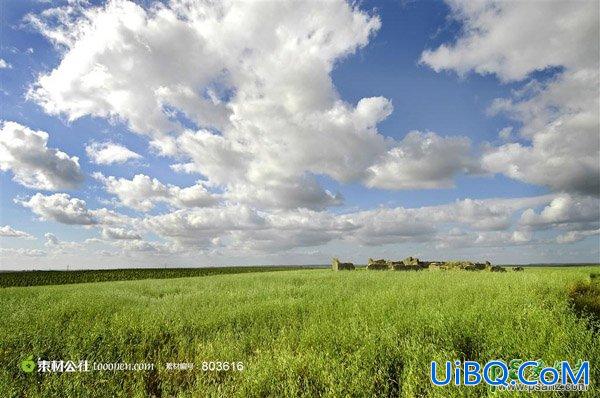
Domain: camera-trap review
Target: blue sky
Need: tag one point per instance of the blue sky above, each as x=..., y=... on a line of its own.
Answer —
x=456, y=170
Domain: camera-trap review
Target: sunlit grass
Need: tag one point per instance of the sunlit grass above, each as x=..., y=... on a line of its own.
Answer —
x=301, y=333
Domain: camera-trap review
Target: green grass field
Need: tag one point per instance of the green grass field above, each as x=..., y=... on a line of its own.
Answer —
x=306, y=333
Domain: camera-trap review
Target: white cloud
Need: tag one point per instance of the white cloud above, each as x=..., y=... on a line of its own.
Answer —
x=235, y=228
x=564, y=209
x=99, y=39
x=120, y=234
x=383, y=226
x=460, y=239
x=199, y=226
x=56, y=246
x=241, y=94
x=423, y=160
x=559, y=33
x=142, y=192
x=59, y=24
x=483, y=215
x=255, y=79
x=285, y=230
x=21, y=252
x=575, y=236
x=303, y=192
x=107, y=217
x=4, y=64
x=135, y=247
x=559, y=118
x=8, y=231
x=25, y=152
x=64, y=209
x=61, y=208
x=108, y=153
x=51, y=239
x=238, y=227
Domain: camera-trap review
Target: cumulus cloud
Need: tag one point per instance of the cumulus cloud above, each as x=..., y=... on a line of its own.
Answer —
x=423, y=160
x=239, y=228
x=576, y=236
x=8, y=231
x=25, y=152
x=120, y=234
x=302, y=192
x=564, y=209
x=383, y=226
x=483, y=214
x=64, y=209
x=142, y=192
x=492, y=37
x=199, y=226
x=96, y=42
x=287, y=230
x=131, y=247
x=559, y=118
x=51, y=239
x=241, y=94
x=60, y=207
x=107, y=217
x=484, y=219
x=456, y=238
x=4, y=64
x=109, y=152
x=267, y=117
x=243, y=228
x=57, y=246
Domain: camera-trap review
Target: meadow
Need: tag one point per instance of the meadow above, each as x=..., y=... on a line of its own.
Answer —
x=302, y=333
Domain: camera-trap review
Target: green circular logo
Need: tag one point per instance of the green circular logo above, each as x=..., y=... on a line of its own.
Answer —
x=27, y=365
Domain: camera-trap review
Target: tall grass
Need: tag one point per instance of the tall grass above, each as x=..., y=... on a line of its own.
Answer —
x=302, y=333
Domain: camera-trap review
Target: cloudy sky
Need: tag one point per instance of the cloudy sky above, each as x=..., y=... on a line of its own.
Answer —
x=188, y=133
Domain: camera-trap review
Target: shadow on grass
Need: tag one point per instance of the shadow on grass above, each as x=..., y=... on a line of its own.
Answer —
x=40, y=278
x=585, y=299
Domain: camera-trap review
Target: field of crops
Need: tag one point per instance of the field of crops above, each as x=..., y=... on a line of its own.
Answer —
x=38, y=278
x=303, y=333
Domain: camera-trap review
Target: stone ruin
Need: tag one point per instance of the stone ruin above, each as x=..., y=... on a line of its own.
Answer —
x=408, y=264
x=461, y=265
x=414, y=264
x=377, y=264
x=336, y=265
